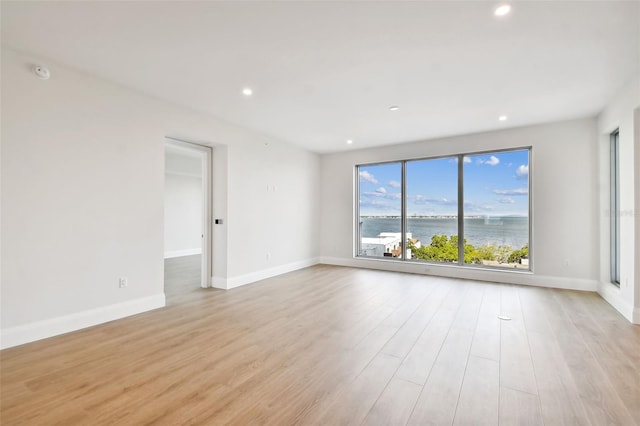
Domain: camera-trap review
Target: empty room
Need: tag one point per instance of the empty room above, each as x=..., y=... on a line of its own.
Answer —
x=320, y=212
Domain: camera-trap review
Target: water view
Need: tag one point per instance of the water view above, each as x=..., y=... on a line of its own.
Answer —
x=495, y=207
x=478, y=231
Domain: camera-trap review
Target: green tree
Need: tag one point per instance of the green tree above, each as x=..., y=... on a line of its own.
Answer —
x=516, y=256
x=445, y=249
x=487, y=252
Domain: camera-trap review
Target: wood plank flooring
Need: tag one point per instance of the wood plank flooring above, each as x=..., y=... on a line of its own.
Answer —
x=332, y=345
x=181, y=275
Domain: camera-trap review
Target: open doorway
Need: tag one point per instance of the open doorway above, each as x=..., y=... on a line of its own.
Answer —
x=187, y=212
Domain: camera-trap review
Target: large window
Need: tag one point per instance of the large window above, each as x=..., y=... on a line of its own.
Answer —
x=615, y=209
x=380, y=212
x=432, y=209
x=466, y=209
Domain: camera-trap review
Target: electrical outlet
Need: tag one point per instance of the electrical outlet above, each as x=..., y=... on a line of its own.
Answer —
x=268, y=256
x=123, y=282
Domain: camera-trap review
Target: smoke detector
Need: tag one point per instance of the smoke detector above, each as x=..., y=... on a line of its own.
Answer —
x=41, y=72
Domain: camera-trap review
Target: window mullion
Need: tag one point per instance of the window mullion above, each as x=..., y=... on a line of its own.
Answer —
x=460, y=210
x=403, y=210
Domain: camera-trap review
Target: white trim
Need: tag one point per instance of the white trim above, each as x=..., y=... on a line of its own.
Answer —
x=219, y=282
x=507, y=276
x=180, y=253
x=205, y=153
x=183, y=174
x=52, y=327
x=611, y=294
x=263, y=274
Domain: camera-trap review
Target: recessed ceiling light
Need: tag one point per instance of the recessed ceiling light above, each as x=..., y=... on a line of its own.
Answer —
x=502, y=118
x=502, y=10
x=247, y=91
x=349, y=141
x=394, y=108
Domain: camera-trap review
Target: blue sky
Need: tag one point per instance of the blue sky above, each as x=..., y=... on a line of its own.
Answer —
x=495, y=184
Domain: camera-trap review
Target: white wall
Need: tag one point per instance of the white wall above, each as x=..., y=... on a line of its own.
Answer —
x=636, y=284
x=82, y=199
x=272, y=192
x=565, y=216
x=619, y=113
x=219, y=210
x=183, y=207
x=182, y=215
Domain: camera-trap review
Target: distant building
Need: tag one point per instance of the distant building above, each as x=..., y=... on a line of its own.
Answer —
x=387, y=244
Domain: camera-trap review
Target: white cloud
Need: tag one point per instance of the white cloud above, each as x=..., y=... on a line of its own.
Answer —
x=492, y=161
x=506, y=200
x=394, y=184
x=523, y=171
x=477, y=208
x=517, y=191
x=382, y=193
x=421, y=199
x=368, y=177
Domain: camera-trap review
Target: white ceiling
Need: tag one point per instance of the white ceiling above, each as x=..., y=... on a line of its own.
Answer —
x=324, y=72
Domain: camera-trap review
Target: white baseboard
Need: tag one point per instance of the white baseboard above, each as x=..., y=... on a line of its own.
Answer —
x=252, y=277
x=180, y=253
x=506, y=277
x=219, y=282
x=611, y=294
x=26, y=333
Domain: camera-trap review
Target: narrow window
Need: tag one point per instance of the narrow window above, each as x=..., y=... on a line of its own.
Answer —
x=496, y=209
x=615, y=208
x=380, y=210
x=432, y=209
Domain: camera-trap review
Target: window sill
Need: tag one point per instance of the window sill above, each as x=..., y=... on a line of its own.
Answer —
x=415, y=264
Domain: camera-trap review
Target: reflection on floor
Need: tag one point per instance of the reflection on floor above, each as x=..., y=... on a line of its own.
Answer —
x=181, y=275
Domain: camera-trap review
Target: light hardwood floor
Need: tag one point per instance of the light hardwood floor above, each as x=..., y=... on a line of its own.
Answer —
x=181, y=275
x=331, y=345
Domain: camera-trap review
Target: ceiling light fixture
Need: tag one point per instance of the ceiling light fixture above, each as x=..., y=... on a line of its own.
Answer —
x=502, y=118
x=394, y=108
x=349, y=141
x=247, y=91
x=502, y=10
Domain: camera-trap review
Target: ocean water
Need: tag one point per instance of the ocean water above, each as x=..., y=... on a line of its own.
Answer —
x=509, y=231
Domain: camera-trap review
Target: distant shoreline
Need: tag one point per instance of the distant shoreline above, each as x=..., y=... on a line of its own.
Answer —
x=440, y=217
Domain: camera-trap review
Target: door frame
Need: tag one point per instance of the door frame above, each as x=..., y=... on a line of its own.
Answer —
x=206, y=154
